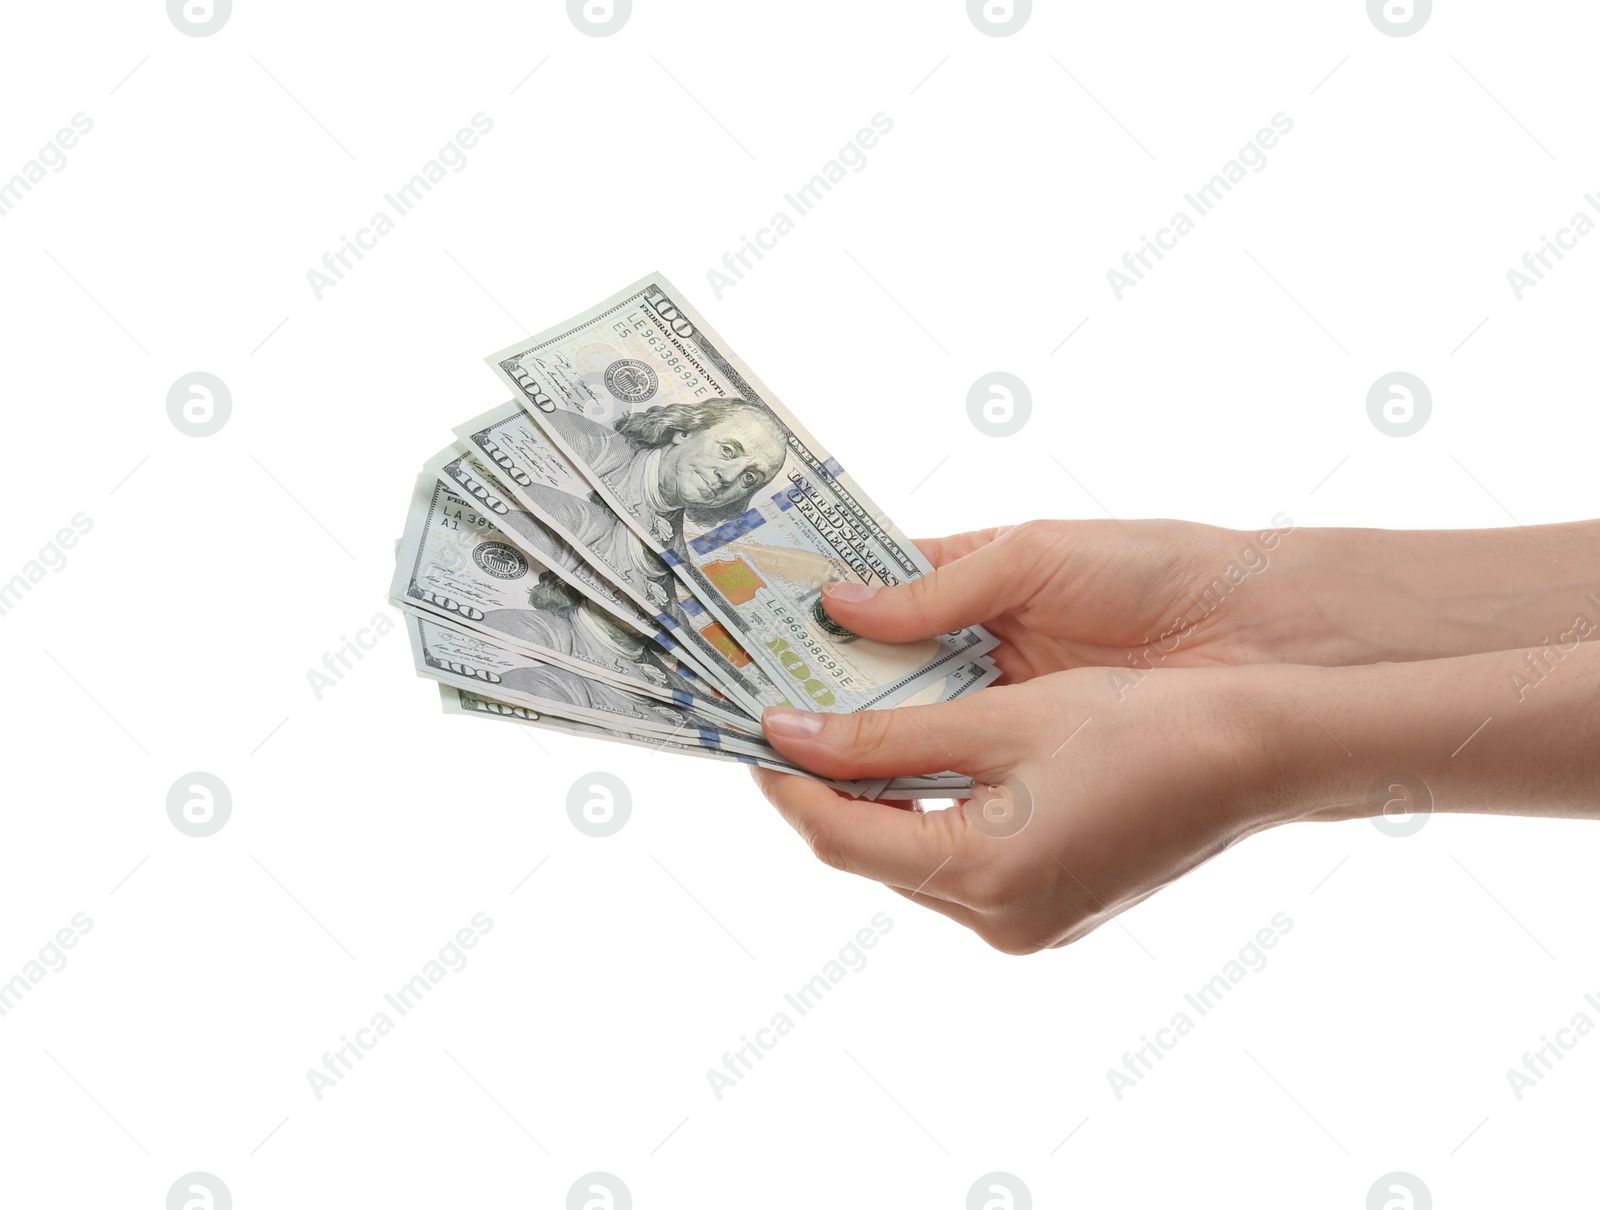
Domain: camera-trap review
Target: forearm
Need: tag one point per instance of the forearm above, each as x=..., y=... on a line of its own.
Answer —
x=1512, y=732
x=1359, y=596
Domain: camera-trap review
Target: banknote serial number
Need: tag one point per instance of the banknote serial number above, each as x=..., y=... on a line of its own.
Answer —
x=666, y=353
x=798, y=663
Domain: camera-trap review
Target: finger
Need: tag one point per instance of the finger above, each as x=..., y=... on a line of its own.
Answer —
x=976, y=735
x=990, y=579
x=940, y=551
x=893, y=847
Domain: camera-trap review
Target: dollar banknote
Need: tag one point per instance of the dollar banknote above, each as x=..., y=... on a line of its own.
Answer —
x=455, y=565
x=465, y=702
x=467, y=477
x=516, y=456
x=474, y=661
x=477, y=664
x=687, y=457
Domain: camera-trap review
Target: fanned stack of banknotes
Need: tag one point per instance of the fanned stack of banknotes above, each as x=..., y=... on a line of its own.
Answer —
x=634, y=547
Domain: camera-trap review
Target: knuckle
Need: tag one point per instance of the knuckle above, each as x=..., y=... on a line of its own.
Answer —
x=1035, y=535
x=869, y=729
x=919, y=593
x=1034, y=551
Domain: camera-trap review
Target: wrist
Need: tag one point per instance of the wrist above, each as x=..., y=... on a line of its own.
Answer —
x=1496, y=732
x=1259, y=779
x=1319, y=753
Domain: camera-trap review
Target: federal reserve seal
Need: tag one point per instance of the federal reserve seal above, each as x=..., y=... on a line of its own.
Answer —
x=500, y=560
x=630, y=381
x=821, y=618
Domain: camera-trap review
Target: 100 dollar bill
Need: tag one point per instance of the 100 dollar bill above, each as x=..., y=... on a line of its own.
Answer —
x=454, y=563
x=465, y=702
x=689, y=454
x=515, y=455
x=467, y=477
x=480, y=666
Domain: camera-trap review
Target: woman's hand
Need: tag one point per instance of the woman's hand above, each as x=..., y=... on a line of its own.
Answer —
x=1083, y=805
x=1087, y=801
x=1169, y=594
x=1072, y=594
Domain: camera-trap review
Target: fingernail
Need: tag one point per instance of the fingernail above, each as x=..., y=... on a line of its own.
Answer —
x=791, y=724
x=849, y=592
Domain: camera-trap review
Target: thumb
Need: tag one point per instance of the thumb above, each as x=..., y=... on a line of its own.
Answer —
x=976, y=735
x=978, y=586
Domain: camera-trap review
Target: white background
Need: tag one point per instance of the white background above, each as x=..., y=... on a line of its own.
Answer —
x=367, y=828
